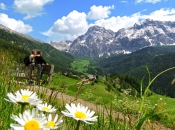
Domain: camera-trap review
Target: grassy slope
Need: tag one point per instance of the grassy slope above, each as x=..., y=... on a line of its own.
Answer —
x=99, y=95
x=98, y=90
x=95, y=93
x=80, y=65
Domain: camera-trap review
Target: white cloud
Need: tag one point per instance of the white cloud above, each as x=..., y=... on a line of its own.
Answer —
x=75, y=23
x=99, y=12
x=148, y=1
x=13, y=24
x=68, y=27
x=124, y=1
x=116, y=23
x=2, y=6
x=161, y=15
x=31, y=8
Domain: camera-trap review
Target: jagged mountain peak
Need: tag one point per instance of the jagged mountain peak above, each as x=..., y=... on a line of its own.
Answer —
x=95, y=30
x=98, y=41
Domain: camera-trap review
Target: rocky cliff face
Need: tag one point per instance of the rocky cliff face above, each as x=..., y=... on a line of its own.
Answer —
x=95, y=42
x=147, y=33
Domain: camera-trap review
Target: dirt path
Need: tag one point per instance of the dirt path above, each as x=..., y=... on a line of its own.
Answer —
x=71, y=99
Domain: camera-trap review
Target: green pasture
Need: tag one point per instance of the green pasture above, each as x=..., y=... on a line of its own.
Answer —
x=95, y=93
x=80, y=65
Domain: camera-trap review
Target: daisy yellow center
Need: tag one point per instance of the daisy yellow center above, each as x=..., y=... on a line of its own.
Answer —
x=51, y=124
x=80, y=115
x=31, y=125
x=45, y=108
x=25, y=97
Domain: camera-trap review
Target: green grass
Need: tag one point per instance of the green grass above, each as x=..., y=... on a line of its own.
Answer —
x=80, y=65
x=60, y=80
x=164, y=103
x=170, y=102
x=95, y=93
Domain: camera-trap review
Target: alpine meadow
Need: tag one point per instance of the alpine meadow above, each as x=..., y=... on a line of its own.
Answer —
x=125, y=91
x=87, y=65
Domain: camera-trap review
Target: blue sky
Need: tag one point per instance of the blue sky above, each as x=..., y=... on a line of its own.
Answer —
x=57, y=20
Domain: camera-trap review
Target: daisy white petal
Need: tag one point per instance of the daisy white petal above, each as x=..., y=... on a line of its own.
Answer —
x=24, y=96
x=46, y=108
x=16, y=127
x=53, y=123
x=35, y=121
x=79, y=112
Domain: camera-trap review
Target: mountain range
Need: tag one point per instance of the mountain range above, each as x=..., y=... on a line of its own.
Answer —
x=98, y=41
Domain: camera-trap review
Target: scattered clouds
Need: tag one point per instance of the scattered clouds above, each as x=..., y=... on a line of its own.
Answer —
x=148, y=1
x=75, y=23
x=99, y=12
x=31, y=8
x=162, y=15
x=13, y=24
x=2, y=6
x=116, y=23
x=68, y=27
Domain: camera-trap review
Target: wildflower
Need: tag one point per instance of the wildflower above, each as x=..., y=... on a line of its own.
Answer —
x=53, y=124
x=149, y=120
x=79, y=113
x=24, y=97
x=46, y=108
x=137, y=101
x=29, y=120
x=160, y=98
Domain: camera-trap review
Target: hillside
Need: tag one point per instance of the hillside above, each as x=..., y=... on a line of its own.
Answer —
x=164, y=83
x=156, y=59
x=102, y=95
x=124, y=63
x=12, y=52
x=61, y=60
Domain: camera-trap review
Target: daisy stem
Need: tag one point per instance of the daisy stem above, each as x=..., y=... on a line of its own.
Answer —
x=22, y=108
x=78, y=125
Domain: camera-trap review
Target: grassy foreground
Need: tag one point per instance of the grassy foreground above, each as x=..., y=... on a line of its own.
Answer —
x=97, y=94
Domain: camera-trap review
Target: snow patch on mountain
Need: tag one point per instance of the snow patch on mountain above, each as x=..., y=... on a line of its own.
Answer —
x=98, y=41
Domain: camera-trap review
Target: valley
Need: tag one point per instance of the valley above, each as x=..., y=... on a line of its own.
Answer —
x=121, y=81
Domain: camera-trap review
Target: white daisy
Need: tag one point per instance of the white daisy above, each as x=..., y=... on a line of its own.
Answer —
x=79, y=112
x=46, y=108
x=24, y=96
x=53, y=124
x=29, y=120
